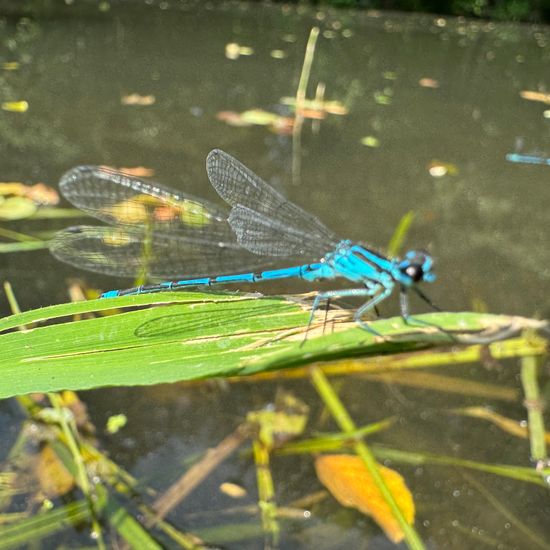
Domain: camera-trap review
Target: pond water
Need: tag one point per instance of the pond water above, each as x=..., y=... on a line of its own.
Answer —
x=433, y=107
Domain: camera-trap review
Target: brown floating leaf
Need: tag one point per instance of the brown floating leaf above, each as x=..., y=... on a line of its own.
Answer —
x=55, y=480
x=351, y=484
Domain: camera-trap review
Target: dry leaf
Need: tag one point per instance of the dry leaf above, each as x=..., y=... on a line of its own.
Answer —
x=234, y=51
x=136, y=99
x=39, y=193
x=535, y=96
x=55, y=480
x=349, y=481
x=428, y=83
x=233, y=490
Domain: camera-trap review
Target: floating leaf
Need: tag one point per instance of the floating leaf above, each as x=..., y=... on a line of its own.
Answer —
x=39, y=193
x=234, y=50
x=17, y=208
x=137, y=99
x=42, y=194
x=15, y=106
x=349, y=481
x=233, y=490
x=258, y=117
x=54, y=478
x=382, y=98
x=535, y=96
x=438, y=169
x=232, y=118
x=429, y=83
x=116, y=422
x=370, y=141
x=332, y=107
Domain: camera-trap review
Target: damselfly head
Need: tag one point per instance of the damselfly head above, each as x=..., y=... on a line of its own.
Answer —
x=417, y=266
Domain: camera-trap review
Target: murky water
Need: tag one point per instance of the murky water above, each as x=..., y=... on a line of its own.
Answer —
x=431, y=95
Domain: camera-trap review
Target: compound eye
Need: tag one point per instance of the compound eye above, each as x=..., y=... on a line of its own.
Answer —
x=415, y=272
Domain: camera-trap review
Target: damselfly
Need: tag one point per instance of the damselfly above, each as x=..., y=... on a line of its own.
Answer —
x=527, y=159
x=171, y=235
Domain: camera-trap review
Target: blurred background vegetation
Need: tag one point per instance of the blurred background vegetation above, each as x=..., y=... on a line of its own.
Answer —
x=534, y=11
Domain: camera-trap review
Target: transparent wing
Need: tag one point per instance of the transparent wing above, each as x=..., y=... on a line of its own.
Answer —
x=264, y=221
x=118, y=199
x=132, y=251
x=256, y=232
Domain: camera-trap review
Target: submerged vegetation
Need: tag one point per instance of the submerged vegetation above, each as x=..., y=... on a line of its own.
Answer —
x=58, y=449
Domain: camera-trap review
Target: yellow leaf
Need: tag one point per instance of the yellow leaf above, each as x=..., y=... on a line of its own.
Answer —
x=55, y=480
x=370, y=141
x=351, y=484
x=233, y=490
x=137, y=99
x=17, y=208
x=15, y=106
x=39, y=193
x=116, y=422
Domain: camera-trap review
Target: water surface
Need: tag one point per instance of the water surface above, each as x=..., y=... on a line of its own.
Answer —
x=428, y=92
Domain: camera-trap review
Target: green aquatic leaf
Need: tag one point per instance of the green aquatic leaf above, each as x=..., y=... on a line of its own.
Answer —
x=193, y=336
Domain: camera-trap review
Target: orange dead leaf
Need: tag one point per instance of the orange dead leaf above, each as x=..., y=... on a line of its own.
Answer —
x=55, y=480
x=40, y=193
x=350, y=483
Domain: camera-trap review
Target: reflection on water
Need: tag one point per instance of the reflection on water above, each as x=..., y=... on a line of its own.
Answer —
x=433, y=108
